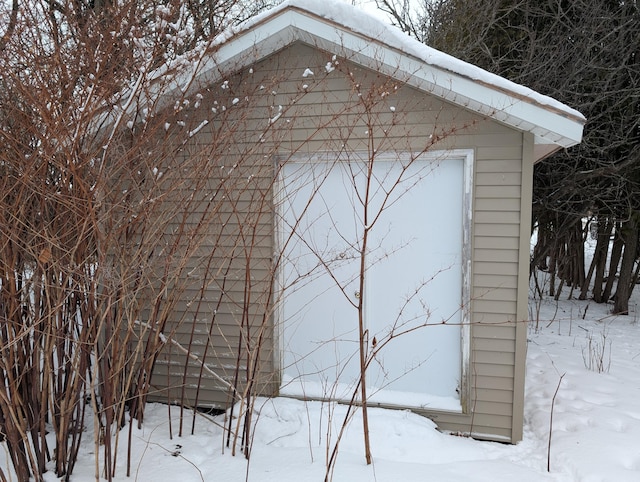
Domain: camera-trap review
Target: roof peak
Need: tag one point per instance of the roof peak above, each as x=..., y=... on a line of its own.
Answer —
x=351, y=33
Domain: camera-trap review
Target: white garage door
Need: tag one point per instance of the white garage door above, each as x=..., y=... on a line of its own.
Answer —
x=413, y=271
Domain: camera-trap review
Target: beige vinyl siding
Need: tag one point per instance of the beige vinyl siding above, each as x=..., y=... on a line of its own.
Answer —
x=495, y=242
x=492, y=281
x=329, y=116
x=212, y=319
x=496, y=256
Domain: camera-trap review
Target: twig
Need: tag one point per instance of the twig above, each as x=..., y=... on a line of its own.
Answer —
x=553, y=402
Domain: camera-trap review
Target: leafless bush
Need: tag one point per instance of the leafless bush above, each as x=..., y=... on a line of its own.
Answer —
x=105, y=214
x=596, y=353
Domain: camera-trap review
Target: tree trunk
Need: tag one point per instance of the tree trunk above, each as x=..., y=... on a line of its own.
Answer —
x=616, y=252
x=575, y=257
x=634, y=280
x=541, y=249
x=599, y=260
x=623, y=291
x=552, y=269
x=581, y=236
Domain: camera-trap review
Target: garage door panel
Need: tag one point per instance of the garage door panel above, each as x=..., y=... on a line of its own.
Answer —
x=413, y=280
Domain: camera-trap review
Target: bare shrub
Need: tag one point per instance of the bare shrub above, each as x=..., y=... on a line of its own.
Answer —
x=105, y=209
x=596, y=353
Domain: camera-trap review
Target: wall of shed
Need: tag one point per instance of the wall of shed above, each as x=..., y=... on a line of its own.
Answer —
x=270, y=111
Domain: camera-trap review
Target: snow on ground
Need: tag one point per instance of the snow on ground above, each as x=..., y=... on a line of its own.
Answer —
x=596, y=427
x=596, y=424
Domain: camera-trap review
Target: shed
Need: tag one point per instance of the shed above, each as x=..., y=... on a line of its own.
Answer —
x=360, y=177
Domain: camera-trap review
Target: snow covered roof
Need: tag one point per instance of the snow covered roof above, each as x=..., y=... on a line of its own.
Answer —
x=347, y=31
